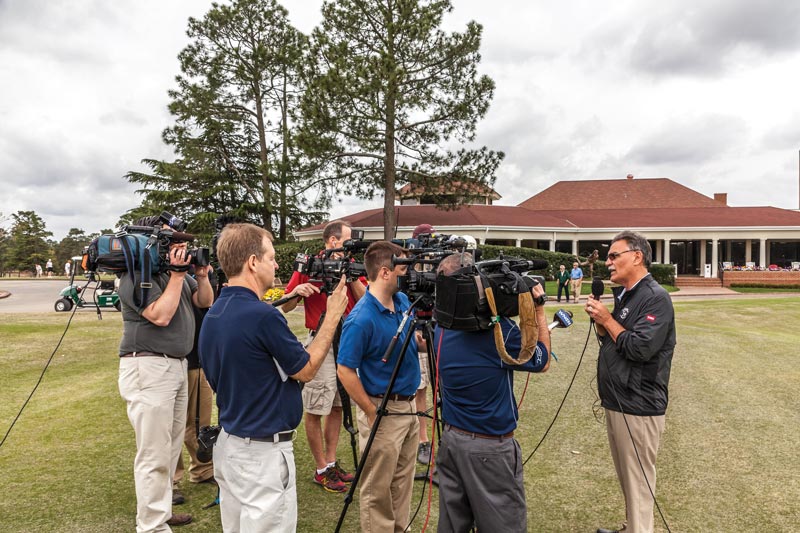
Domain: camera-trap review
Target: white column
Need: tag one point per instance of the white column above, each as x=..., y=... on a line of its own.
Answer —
x=519, y=243
x=702, y=256
x=748, y=250
x=552, y=245
x=659, y=247
x=714, y=258
x=575, y=247
x=666, y=251
x=763, y=260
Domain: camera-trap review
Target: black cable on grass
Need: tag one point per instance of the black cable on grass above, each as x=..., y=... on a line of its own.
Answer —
x=564, y=399
x=74, y=308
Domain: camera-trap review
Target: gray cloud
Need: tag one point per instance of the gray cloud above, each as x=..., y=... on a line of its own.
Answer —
x=784, y=136
x=690, y=141
x=698, y=38
x=71, y=32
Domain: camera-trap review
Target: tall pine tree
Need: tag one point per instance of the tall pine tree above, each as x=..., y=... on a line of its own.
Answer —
x=233, y=110
x=393, y=99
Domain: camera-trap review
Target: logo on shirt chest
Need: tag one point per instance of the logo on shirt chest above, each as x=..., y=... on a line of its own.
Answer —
x=623, y=314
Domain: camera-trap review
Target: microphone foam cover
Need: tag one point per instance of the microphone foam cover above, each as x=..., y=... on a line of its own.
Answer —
x=598, y=287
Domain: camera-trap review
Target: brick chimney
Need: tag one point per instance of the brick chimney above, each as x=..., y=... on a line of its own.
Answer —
x=721, y=197
x=629, y=176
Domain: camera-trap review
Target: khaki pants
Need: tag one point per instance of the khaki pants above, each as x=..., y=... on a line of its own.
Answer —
x=388, y=476
x=198, y=471
x=575, y=288
x=154, y=389
x=257, y=485
x=646, y=431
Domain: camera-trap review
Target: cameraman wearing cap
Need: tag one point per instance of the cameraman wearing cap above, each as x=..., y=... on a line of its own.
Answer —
x=479, y=462
x=255, y=365
x=320, y=395
x=157, y=335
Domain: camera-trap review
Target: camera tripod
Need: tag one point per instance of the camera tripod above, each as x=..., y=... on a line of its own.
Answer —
x=427, y=333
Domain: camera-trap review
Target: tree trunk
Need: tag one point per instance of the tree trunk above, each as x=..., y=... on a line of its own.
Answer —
x=389, y=168
x=285, y=163
x=266, y=210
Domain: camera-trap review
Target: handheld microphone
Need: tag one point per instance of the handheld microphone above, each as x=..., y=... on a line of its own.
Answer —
x=598, y=287
x=562, y=319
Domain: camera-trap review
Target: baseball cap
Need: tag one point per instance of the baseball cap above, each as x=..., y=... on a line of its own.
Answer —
x=422, y=228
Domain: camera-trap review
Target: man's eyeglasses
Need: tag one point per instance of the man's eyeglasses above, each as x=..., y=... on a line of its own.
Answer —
x=614, y=255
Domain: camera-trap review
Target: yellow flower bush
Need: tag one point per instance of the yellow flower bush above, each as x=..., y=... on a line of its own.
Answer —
x=275, y=293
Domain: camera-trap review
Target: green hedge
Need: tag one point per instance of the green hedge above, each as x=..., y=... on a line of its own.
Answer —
x=663, y=274
x=285, y=254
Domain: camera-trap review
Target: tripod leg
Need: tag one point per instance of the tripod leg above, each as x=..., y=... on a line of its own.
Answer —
x=381, y=412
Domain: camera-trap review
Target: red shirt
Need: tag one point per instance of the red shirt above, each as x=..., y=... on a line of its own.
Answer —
x=315, y=305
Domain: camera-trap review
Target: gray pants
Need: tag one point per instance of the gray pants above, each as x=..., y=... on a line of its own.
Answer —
x=480, y=483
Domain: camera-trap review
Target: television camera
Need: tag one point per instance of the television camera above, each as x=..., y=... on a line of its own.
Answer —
x=330, y=265
x=163, y=237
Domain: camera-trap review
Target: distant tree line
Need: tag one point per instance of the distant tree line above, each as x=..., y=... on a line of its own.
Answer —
x=26, y=242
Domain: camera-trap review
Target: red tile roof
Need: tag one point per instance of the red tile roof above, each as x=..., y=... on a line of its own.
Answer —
x=619, y=218
x=682, y=217
x=611, y=194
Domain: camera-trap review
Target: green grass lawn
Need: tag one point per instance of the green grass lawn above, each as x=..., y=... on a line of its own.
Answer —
x=728, y=458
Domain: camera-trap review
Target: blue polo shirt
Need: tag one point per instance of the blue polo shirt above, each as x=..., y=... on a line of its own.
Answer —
x=576, y=273
x=366, y=334
x=242, y=343
x=477, y=386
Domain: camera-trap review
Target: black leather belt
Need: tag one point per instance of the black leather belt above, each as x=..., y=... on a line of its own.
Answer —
x=478, y=435
x=397, y=397
x=149, y=354
x=277, y=437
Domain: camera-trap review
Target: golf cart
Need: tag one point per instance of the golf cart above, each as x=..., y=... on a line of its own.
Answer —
x=104, y=292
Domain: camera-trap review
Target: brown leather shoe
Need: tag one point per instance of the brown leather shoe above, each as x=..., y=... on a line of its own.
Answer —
x=180, y=519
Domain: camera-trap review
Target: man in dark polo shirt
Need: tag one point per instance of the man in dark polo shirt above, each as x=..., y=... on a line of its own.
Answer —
x=157, y=335
x=480, y=463
x=255, y=365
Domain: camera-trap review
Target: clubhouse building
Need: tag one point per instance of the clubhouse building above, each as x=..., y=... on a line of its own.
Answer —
x=698, y=234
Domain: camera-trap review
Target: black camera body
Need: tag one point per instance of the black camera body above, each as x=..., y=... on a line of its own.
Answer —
x=328, y=270
x=461, y=302
x=205, y=442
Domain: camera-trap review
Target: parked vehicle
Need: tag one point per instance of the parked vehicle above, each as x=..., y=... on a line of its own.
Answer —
x=104, y=293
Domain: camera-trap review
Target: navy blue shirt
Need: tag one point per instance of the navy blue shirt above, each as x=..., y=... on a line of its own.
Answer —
x=366, y=334
x=243, y=342
x=477, y=386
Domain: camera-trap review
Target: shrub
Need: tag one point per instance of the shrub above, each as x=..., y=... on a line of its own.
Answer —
x=663, y=274
x=285, y=254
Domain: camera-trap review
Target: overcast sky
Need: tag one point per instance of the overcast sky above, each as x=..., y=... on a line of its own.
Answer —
x=704, y=92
